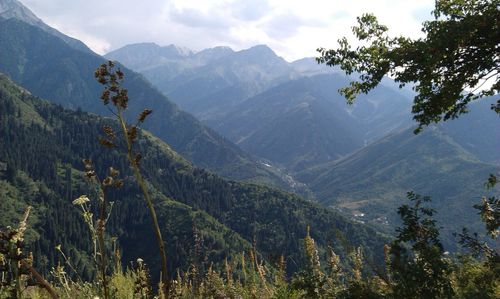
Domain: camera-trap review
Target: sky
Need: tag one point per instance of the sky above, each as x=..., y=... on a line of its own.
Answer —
x=292, y=28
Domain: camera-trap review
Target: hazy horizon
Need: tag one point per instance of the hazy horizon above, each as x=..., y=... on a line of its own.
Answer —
x=293, y=29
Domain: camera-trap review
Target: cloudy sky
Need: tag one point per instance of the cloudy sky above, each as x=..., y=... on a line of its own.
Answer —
x=293, y=28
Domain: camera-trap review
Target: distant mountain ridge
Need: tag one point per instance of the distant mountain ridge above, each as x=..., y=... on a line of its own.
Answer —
x=143, y=56
x=361, y=158
x=206, y=82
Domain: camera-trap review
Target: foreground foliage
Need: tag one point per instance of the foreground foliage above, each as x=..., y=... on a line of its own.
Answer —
x=416, y=267
x=455, y=63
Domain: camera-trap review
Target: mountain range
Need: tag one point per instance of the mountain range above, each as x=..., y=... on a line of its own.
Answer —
x=360, y=158
x=228, y=128
x=50, y=68
x=209, y=81
x=254, y=98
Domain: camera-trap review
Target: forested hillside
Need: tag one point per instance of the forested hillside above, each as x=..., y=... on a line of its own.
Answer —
x=372, y=182
x=41, y=161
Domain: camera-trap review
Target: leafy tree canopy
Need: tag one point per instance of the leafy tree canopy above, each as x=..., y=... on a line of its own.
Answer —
x=457, y=61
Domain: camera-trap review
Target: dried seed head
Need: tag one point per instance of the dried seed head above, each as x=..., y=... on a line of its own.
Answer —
x=107, y=143
x=114, y=88
x=108, y=181
x=87, y=163
x=111, y=80
x=113, y=172
x=144, y=114
x=105, y=96
x=101, y=225
x=137, y=159
x=132, y=133
x=90, y=174
x=101, y=73
x=123, y=98
x=118, y=183
x=109, y=132
x=120, y=74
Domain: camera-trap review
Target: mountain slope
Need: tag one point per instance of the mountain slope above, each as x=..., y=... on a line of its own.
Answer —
x=46, y=143
x=13, y=9
x=478, y=131
x=49, y=68
x=40, y=165
x=374, y=180
x=305, y=122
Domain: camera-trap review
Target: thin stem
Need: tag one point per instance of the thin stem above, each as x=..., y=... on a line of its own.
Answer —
x=149, y=202
x=18, y=278
x=68, y=262
x=100, y=236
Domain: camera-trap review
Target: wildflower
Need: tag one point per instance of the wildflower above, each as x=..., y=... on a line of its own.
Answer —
x=81, y=200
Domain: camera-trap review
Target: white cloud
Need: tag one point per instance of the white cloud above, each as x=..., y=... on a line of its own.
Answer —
x=293, y=28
